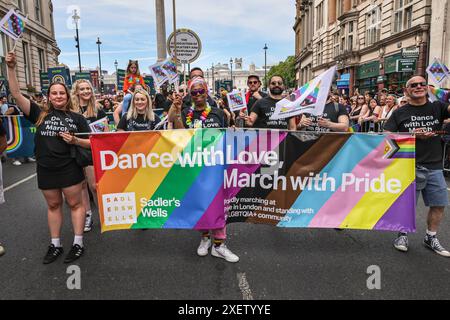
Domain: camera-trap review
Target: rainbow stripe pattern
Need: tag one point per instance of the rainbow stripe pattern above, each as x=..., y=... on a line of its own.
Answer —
x=354, y=181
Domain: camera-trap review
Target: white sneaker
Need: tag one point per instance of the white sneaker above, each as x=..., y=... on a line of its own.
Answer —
x=203, y=248
x=16, y=163
x=31, y=159
x=88, y=223
x=223, y=252
x=2, y=250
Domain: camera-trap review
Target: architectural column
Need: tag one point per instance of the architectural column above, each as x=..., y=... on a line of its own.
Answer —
x=347, y=5
x=331, y=11
x=160, y=29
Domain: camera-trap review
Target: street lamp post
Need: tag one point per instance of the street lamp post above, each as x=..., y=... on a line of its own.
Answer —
x=213, y=84
x=76, y=18
x=116, y=64
x=231, y=71
x=265, y=66
x=100, y=64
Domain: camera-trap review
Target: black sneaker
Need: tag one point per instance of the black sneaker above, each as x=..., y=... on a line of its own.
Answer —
x=431, y=242
x=52, y=254
x=401, y=243
x=74, y=253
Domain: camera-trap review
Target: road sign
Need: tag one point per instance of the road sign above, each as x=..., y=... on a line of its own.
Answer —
x=189, y=46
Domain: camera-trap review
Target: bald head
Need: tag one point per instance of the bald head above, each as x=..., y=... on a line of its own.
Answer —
x=416, y=90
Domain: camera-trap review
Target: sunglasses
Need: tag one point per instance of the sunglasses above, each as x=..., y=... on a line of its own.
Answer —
x=276, y=83
x=416, y=84
x=195, y=93
x=253, y=82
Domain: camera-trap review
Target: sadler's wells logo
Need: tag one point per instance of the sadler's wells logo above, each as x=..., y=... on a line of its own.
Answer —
x=119, y=208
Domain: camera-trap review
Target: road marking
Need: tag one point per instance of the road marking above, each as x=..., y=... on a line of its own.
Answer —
x=19, y=182
x=244, y=286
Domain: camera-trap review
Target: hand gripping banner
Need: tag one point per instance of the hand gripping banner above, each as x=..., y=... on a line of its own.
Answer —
x=204, y=178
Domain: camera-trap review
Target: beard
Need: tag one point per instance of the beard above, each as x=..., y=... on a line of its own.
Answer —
x=276, y=91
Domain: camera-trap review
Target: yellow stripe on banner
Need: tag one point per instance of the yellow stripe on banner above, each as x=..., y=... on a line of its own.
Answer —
x=372, y=206
x=146, y=181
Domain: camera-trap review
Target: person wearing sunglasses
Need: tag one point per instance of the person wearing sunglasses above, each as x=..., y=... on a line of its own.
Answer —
x=252, y=96
x=264, y=108
x=202, y=115
x=423, y=119
x=187, y=99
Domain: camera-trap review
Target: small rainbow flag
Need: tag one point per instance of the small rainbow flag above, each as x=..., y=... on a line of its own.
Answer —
x=400, y=148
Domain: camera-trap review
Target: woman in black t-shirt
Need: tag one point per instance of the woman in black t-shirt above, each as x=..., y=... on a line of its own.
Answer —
x=202, y=115
x=83, y=100
x=140, y=115
x=58, y=174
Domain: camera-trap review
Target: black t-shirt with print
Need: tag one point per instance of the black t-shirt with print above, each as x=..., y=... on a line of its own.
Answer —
x=265, y=108
x=430, y=117
x=100, y=115
x=138, y=124
x=215, y=119
x=50, y=148
x=331, y=113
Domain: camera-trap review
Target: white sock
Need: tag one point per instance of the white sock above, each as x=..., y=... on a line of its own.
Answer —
x=430, y=233
x=88, y=213
x=56, y=242
x=78, y=240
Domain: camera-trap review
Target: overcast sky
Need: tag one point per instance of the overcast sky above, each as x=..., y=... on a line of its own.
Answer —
x=127, y=29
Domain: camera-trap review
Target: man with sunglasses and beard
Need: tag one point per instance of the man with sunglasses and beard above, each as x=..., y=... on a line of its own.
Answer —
x=423, y=119
x=264, y=108
x=252, y=96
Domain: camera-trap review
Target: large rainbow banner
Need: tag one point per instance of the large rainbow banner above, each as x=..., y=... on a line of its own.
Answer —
x=205, y=178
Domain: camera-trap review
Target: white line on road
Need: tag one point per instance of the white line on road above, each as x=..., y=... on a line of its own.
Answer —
x=19, y=182
x=244, y=286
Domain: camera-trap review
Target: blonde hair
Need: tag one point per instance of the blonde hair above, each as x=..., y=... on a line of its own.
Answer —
x=48, y=107
x=132, y=111
x=92, y=109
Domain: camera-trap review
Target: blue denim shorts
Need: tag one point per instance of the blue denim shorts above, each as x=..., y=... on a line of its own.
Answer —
x=432, y=185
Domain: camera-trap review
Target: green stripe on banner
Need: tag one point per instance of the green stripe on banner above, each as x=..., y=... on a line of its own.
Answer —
x=177, y=182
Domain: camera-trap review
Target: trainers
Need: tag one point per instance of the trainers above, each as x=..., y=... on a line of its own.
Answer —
x=74, y=253
x=203, y=248
x=88, y=223
x=432, y=242
x=16, y=163
x=52, y=254
x=31, y=159
x=223, y=252
x=2, y=250
x=401, y=243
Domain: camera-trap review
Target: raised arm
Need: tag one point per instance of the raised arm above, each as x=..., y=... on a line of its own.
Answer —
x=22, y=102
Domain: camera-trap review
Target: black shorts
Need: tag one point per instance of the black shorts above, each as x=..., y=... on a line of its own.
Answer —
x=61, y=177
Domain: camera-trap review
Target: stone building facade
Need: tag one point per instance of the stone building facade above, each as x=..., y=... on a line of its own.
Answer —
x=37, y=50
x=374, y=43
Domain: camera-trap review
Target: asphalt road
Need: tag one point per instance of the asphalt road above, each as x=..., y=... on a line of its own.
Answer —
x=274, y=263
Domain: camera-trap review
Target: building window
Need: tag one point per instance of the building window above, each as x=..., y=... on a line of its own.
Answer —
x=336, y=44
x=22, y=6
x=41, y=55
x=402, y=15
x=26, y=62
x=320, y=52
x=3, y=51
x=37, y=10
x=339, y=8
x=373, y=23
x=319, y=16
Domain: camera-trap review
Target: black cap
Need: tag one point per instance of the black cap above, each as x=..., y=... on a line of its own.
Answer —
x=253, y=76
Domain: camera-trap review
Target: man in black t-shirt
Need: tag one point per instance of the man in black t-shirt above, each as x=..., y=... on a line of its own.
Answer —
x=423, y=119
x=264, y=108
x=334, y=118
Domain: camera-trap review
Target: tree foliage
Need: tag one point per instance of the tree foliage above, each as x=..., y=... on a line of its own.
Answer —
x=286, y=69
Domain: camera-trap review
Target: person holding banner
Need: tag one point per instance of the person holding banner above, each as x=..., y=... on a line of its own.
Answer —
x=423, y=119
x=140, y=116
x=58, y=174
x=202, y=115
x=334, y=118
x=83, y=99
x=264, y=108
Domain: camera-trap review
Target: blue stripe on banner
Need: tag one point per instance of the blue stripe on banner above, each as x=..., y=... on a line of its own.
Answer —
x=208, y=182
x=344, y=161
